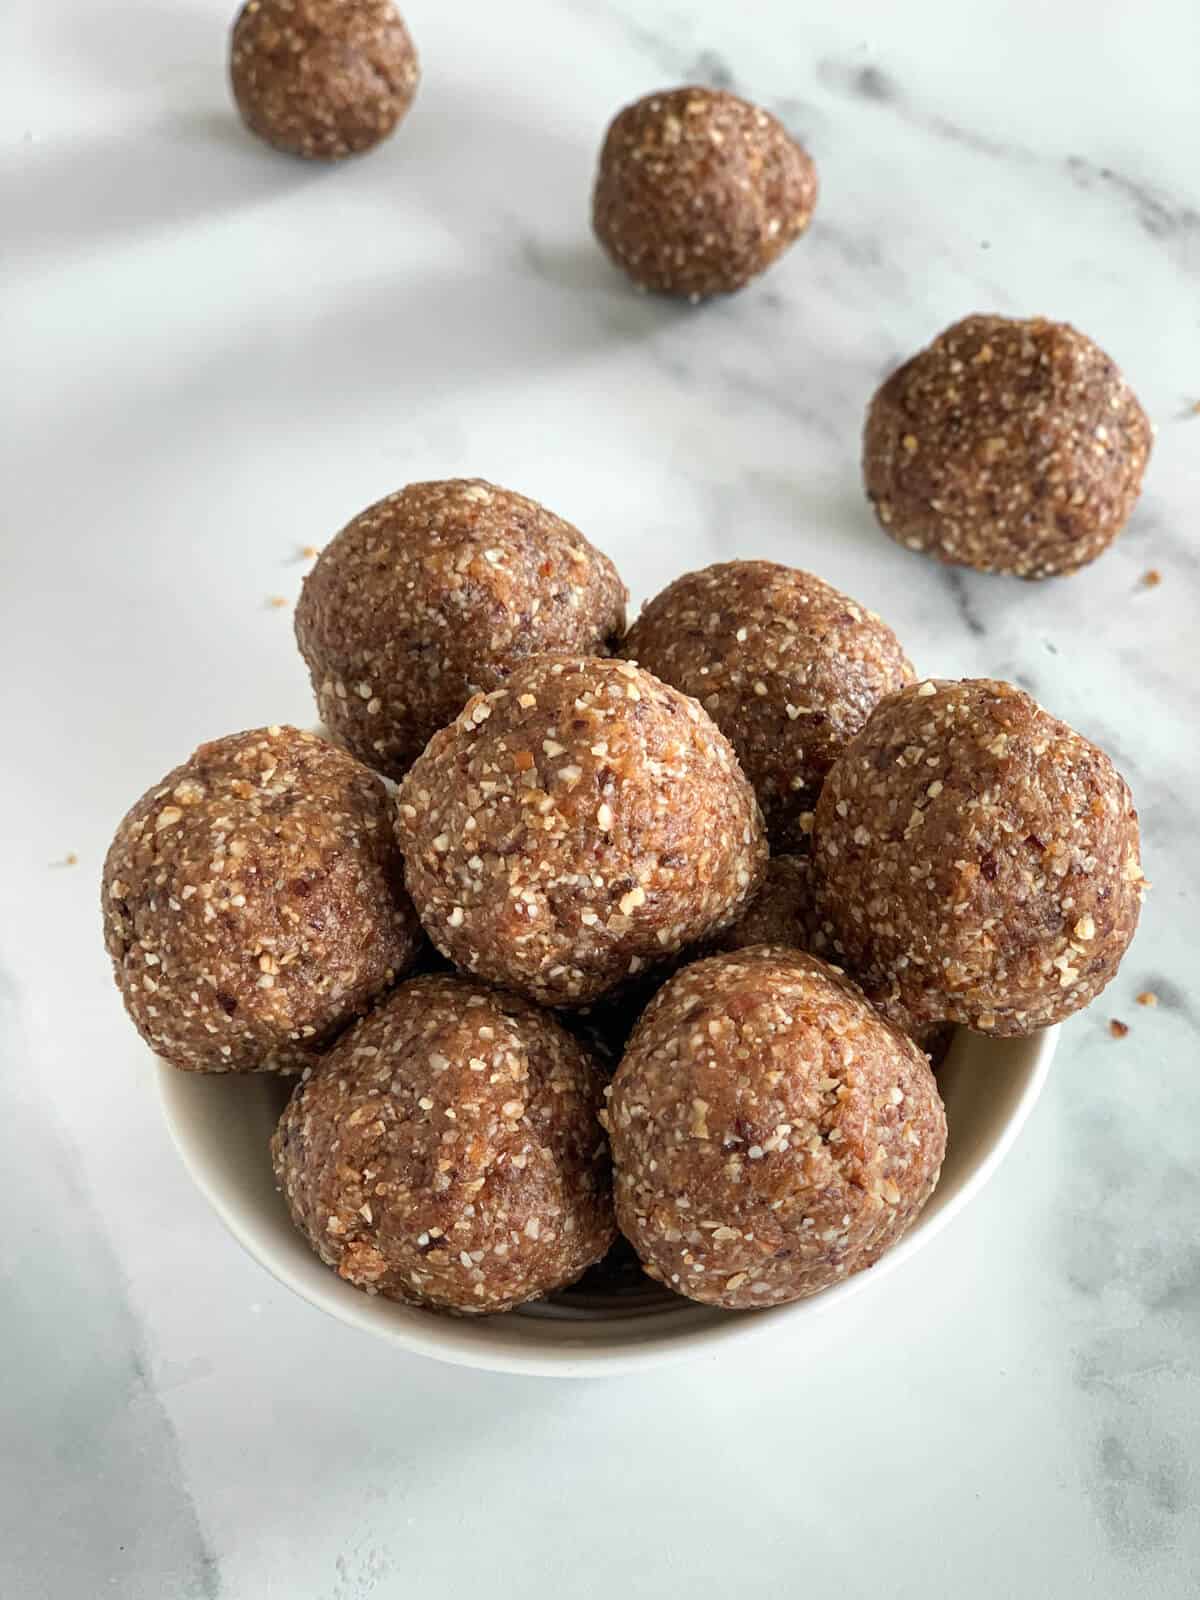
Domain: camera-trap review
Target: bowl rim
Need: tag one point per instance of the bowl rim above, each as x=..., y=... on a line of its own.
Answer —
x=464, y=1342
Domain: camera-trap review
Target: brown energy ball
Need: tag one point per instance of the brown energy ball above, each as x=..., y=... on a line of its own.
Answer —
x=446, y=1153
x=436, y=593
x=1010, y=446
x=698, y=191
x=787, y=667
x=254, y=903
x=575, y=827
x=978, y=859
x=771, y=1134
x=322, y=78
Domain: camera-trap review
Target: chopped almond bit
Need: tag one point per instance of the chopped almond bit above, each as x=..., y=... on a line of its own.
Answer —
x=1118, y=1029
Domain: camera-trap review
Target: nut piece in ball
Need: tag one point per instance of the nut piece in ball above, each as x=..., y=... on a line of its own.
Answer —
x=446, y=1153
x=436, y=593
x=322, y=78
x=787, y=667
x=1010, y=446
x=575, y=827
x=698, y=191
x=771, y=1134
x=978, y=859
x=254, y=903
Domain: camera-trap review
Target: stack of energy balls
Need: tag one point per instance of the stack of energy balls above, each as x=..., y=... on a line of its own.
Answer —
x=660, y=929
x=575, y=875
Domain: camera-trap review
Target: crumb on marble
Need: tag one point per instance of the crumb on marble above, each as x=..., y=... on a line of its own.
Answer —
x=69, y=860
x=1147, y=998
x=277, y=602
x=1152, y=578
x=1117, y=1028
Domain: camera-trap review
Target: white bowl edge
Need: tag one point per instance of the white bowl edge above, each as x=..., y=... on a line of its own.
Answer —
x=229, y=1163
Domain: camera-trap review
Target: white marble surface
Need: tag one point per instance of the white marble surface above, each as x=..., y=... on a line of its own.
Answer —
x=213, y=357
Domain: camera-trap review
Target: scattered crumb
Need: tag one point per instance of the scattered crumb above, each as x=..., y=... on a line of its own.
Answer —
x=308, y=552
x=1147, y=998
x=69, y=860
x=1118, y=1029
x=277, y=602
x=1196, y=409
x=1152, y=578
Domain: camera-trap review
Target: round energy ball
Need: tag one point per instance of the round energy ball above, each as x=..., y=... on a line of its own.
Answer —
x=978, y=859
x=771, y=1134
x=1009, y=446
x=254, y=903
x=436, y=593
x=446, y=1152
x=698, y=191
x=787, y=667
x=575, y=827
x=322, y=78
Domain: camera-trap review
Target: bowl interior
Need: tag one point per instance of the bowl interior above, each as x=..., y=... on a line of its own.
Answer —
x=222, y=1125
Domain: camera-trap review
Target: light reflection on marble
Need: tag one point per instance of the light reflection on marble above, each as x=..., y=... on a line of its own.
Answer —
x=219, y=357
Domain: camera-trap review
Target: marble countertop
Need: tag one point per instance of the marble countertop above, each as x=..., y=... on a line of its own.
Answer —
x=214, y=357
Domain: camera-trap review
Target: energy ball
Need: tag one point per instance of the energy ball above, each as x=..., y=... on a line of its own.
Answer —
x=787, y=667
x=254, y=903
x=446, y=1153
x=698, y=192
x=784, y=911
x=1009, y=446
x=437, y=593
x=978, y=859
x=771, y=1134
x=322, y=78
x=576, y=827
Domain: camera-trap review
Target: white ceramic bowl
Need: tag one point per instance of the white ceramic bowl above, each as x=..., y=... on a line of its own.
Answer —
x=221, y=1126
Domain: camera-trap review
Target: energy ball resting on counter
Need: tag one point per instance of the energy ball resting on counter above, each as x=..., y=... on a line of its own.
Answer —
x=787, y=666
x=698, y=191
x=978, y=859
x=322, y=78
x=436, y=593
x=770, y=1133
x=1010, y=446
x=446, y=1152
x=254, y=903
x=575, y=827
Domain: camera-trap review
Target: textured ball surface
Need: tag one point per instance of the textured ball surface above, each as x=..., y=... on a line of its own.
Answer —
x=447, y=1152
x=436, y=593
x=771, y=1134
x=254, y=903
x=1010, y=446
x=787, y=666
x=322, y=78
x=978, y=859
x=575, y=827
x=698, y=191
